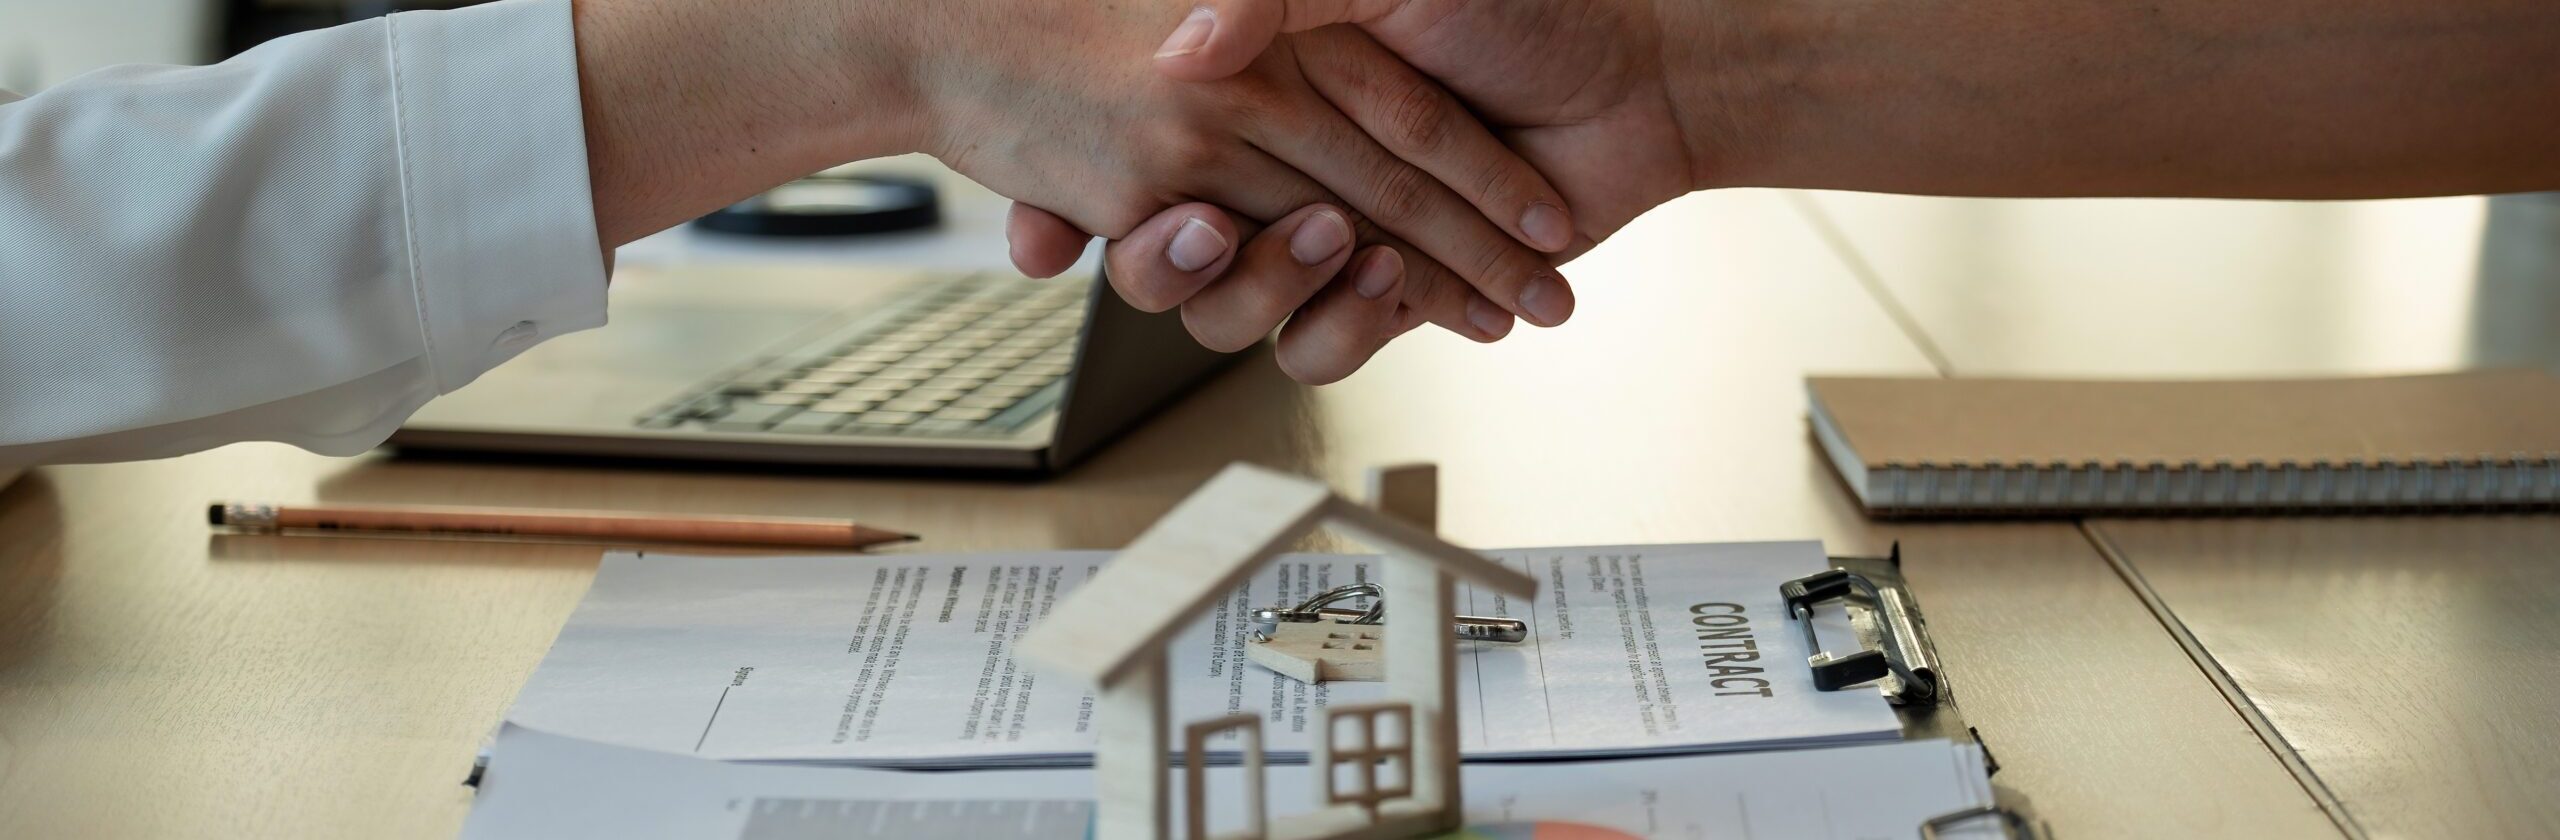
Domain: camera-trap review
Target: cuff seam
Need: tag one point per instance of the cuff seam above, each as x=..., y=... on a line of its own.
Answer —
x=408, y=209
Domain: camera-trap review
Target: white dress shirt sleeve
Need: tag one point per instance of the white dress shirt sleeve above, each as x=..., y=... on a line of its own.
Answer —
x=304, y=243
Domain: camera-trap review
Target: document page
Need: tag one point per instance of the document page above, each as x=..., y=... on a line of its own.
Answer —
x=542, y=786
x=904, y=660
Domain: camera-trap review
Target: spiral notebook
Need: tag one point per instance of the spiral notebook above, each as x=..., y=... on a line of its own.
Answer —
x=1938, y=447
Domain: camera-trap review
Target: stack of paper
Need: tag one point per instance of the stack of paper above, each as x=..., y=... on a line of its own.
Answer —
x=546, y=786
x=901, y=661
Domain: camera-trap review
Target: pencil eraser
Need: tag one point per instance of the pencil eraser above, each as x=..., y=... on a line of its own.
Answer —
x=213, y=513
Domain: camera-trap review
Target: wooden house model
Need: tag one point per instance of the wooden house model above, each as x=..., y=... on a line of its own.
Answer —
x=1382, y=770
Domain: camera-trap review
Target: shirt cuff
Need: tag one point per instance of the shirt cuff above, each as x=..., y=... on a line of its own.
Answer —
x=493, y=176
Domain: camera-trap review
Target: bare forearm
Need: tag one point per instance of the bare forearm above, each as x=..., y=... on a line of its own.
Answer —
x=2287, y=99
x=692, y=105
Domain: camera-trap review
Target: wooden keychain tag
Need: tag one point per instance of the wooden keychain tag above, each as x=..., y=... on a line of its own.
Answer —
x=1321, y=651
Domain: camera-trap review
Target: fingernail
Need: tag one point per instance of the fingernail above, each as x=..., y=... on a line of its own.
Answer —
x=1319, y=238
x=1490, y=318
x=1195, y=246
x=1191, y=35
x=1547, y=227
x=1547, y=300
x=1378, y=274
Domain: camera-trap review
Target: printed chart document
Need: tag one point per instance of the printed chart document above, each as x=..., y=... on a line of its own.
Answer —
x=903, y=660
x=542, y=786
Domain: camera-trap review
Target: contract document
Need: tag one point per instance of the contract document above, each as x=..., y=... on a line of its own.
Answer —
x=903, y=660
x=541, y=786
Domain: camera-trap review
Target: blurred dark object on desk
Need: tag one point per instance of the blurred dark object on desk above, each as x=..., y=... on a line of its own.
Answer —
x=248, y=23
x=831, y=204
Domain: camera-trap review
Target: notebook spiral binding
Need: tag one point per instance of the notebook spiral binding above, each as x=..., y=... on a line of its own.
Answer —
x=2520, y=480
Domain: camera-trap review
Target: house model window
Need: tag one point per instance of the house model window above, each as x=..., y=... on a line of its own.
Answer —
x=1384, y=770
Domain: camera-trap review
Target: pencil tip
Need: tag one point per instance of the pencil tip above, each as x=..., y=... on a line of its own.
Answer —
x=909, y=538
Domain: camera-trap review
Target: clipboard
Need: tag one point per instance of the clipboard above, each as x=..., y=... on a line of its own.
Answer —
x=1897, y=659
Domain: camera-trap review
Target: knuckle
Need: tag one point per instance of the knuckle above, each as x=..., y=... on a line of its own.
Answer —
x=1253, y=91
x=1177, y=147
x=1249, y=104
x=1417, y=116
x=1189, y=154
x=1402, y=193
x=1487, y=263
x=1502, y=185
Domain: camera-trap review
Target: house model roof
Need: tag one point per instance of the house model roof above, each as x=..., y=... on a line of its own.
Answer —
x=1202, y=550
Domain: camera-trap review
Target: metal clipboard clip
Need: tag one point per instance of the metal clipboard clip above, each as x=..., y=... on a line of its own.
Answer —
x=1895, y=650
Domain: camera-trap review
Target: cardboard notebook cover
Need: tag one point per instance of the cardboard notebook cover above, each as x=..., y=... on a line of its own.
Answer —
x=2503, y=423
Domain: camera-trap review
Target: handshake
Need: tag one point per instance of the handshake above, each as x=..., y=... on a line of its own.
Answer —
x=1341, y=170
x=1345, y=171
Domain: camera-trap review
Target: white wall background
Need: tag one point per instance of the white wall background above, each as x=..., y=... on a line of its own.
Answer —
x=46, y=41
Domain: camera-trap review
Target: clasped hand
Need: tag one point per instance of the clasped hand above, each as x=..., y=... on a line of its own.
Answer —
x=1366, y=197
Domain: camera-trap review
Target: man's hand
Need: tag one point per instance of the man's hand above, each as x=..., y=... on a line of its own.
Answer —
x=1578, y=89
x=1084, y=128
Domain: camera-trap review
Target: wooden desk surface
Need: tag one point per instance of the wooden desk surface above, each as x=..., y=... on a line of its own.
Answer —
x=2412, y=662
x=157, y=681
x=2406, y=664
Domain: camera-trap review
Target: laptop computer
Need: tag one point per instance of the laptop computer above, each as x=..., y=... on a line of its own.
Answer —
x=832, y=366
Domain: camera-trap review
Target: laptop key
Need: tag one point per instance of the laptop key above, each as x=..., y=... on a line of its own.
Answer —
x=752, y=417
x=812, y=422
x=888, y=418
x=871, y=391
x=842, y=405
x=702, y=408
x=854, y=365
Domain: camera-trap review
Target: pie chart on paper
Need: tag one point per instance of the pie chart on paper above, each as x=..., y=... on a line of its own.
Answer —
x=1537, y=831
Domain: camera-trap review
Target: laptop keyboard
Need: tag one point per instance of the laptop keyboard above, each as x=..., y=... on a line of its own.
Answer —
x=976, y=357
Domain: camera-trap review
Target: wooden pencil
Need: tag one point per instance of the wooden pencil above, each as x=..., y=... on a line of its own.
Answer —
x=568, y=524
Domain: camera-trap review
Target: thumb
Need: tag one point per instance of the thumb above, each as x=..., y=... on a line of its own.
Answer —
x=1221, y=37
